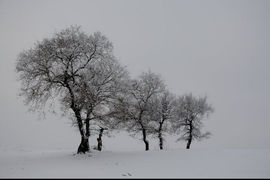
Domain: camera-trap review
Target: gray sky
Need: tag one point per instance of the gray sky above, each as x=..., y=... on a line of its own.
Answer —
x=216, y=48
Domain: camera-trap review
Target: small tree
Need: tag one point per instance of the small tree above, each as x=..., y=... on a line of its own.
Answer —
x=100, y=131
x=190, y=112
x=104, y=123
x=162, y=113
x=78, y=68
x=134, y=107
x=103, y=103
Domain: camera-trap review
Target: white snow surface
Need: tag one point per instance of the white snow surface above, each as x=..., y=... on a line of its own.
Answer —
x=169, y=163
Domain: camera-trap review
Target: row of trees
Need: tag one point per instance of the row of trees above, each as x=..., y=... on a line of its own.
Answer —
x=95, y=90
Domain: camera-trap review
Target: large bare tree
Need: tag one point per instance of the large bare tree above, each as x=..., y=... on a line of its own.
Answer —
x=78, y=69
x=190, y=113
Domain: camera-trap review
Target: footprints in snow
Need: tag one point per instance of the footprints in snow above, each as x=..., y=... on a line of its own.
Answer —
x=127, y=174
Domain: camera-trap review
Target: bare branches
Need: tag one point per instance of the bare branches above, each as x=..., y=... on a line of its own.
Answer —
x=137, y=103
x=190, y=112
x=81, y=71
x=88, y=60
x=82, y=67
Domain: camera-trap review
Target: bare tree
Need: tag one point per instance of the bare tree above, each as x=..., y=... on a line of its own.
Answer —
x=99, y=130
x=75, y=67
x=162, y=113
x=104, y=123
x=190, y=111
x=135, y=105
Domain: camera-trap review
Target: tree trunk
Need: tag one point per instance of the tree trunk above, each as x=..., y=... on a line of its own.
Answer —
x=190, y=135
x=143, y=131
x=84, y=145
x=160, y=136
x=188, y=144
x=160, y=141
x=87, y=125
x=145, y=140
x=99, y=139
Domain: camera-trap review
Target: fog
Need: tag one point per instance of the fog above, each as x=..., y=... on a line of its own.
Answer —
x=216, y=48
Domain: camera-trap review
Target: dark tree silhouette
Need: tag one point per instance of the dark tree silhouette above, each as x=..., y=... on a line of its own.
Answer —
x=134, y=106
x=78, y=69
x=190, y=111
x=161, y=113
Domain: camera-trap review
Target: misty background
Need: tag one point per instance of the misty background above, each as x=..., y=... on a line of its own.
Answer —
x=216, y=48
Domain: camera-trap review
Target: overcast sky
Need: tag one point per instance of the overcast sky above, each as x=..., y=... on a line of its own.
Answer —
x=216, y=48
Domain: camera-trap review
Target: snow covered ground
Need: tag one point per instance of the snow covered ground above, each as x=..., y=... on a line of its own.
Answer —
x=174, y=163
